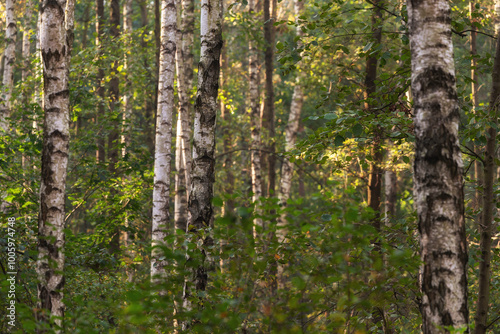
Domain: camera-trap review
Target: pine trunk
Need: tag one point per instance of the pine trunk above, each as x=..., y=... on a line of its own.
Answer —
x=184, y=61
x=438, y=169
x=161, y=190
x=9, y=62
x=489, y=200
x=201, y=215
x=56, y=39
x=268, y=111
x=375, y=174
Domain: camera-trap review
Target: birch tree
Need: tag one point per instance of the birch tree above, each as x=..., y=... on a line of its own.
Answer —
x=127, y=101
x=9, y=61
x=254, y=85
x=56, y=40
x=438, y=169
x=184, y=62
x=201, y=214
x=26, y=41
x=291, y=130
x=161, y=190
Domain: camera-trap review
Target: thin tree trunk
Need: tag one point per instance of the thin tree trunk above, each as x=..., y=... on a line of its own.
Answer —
x=9, y=61
x=201, y=215
x=184, y=61
x=268, y=111
x=26, y=41
x=374, y=189
x=127, y=103
x=56, y=40
x=114, y=106
x=478, y=167
x=489, y=201
x=254, y=88
x=438, y=169
x=86, y=20
x=161, y=190
x=127, y=113
x=391, y=188
x=225, y=114
x=291, y=131
x=99, y=27
x=375, y=174
x=25, y=53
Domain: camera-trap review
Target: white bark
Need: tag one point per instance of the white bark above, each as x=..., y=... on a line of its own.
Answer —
x=438, y=183
x=201, y=215
x=184, y=61
x=9, y=60
x=291, y=131
x=26, y=41
x=56, y=39
x=254, y=85
x=161, y=189
x=127, y=104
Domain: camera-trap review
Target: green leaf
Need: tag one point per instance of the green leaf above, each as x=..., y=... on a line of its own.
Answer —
x=339, y=140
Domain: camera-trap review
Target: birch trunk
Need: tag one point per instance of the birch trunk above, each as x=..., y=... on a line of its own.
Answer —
x=184, y=61
x=291, y=131
x=478, y=167
x=201, y=215
x=438, y=168
x=127, y=104
x=489, y=200
x=9, y=60
x=56, y=39
x=114, y=97
x=26, y=41
x=127, y=113
x=255, y=156
x=161, y=190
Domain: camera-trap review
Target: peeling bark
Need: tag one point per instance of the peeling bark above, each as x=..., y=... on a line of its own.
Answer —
x=8, y=68
x=161, y=190
x=56, y=40
x=438, y=169
x=201, y=215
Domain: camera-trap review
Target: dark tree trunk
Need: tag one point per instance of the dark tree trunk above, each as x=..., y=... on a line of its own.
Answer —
x=489, y=201
x=99, y=117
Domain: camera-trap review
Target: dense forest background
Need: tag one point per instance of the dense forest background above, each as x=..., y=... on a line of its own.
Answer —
x=338, y=253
